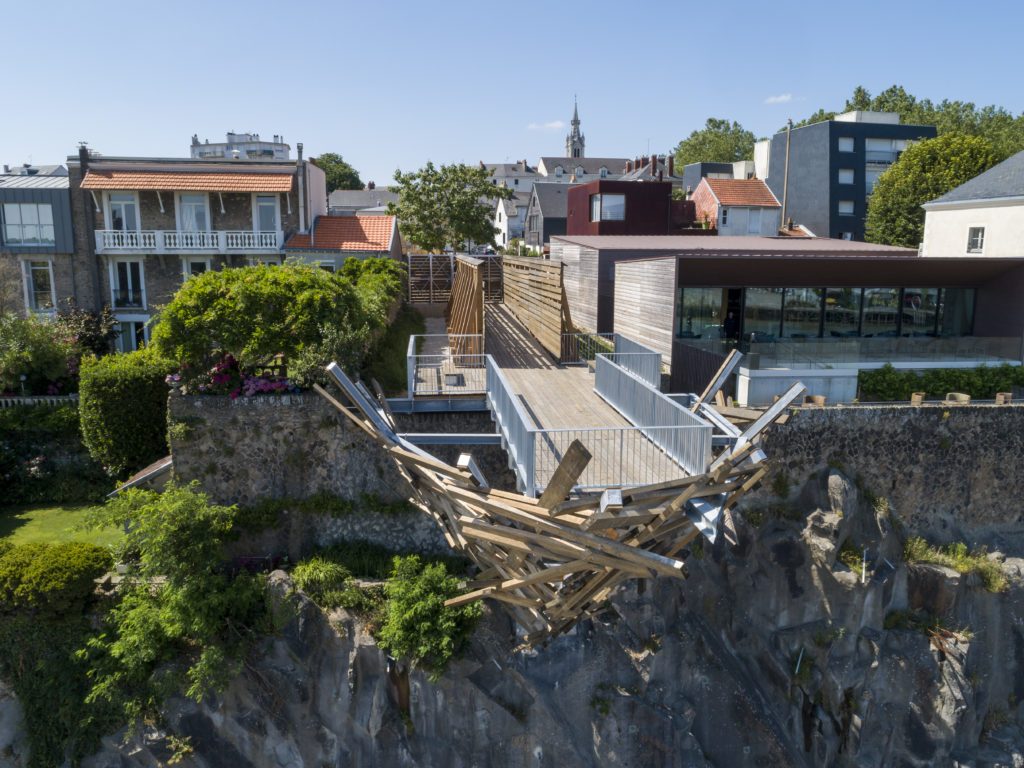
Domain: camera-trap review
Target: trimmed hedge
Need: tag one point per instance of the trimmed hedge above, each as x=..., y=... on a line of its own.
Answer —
x=123, y=409
x=50, y=578
x=42, y=458
x=887, y=383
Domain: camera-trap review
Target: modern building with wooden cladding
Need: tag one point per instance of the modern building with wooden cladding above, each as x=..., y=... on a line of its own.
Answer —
x=144, y=225
x=794, y=304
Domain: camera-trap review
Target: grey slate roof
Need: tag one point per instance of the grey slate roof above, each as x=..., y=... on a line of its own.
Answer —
x=361, y=198
x=38, y=181
x=590, y=165
x=552, y=199
x=520, y=200
x=1003, y=180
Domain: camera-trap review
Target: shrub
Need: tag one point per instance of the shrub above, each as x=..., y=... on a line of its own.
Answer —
x=957, y=557
x=417, y=625
x=254, y=314
x=88, y=332
x=317, y=576
x=387, y=361
x=42, y=458
x=123, y=409
x=56, y=578
x=184, y=623
x=887, y=383
x=34, y=348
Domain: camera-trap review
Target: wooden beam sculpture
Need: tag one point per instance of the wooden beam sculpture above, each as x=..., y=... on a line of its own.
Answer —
x=553, y=561
x=464, y=314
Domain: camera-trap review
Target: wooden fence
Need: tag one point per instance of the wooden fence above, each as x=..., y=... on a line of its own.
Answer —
x=535, y=295
x=464, y=314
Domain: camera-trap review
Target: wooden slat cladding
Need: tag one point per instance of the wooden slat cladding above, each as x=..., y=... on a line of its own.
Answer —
x=535, y=295
x=644, y=302
x=465, y=311
x=581, y=283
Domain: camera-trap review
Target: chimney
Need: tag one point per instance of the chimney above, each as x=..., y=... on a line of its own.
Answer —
x=7, y=168
x=83, y=155
x=298, y=148
x=661, y=176
x=671, y=165
x=371, y=185
x=654, y=164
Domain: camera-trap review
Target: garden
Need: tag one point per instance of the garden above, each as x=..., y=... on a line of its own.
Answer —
x=184, y=616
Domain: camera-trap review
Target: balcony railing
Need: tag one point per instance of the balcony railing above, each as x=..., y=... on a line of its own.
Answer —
x=127, y=298
x=178, y=241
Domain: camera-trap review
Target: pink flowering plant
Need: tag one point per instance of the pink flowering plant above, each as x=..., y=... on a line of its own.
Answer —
x=227, y=378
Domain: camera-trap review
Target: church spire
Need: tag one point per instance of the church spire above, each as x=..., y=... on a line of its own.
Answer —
x=575, y=142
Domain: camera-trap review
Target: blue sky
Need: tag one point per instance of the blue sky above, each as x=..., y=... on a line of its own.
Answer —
x=393, y=85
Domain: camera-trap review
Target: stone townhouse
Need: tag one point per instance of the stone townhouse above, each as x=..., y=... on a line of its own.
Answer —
x=36, y=243
x=144, y=225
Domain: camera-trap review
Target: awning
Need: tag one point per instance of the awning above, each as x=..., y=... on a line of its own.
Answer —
x=188, y=182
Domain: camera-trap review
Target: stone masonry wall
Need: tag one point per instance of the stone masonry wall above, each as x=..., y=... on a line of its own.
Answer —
x=950, y=472
x=292, y=447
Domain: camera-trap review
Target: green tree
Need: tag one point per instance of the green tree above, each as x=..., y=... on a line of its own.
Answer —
x=448, y=206
x=340, y=175
x=820, y=116
x=719, y=141
x=925, y=171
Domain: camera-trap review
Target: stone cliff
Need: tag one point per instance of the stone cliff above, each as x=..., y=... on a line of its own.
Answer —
x=772, y=653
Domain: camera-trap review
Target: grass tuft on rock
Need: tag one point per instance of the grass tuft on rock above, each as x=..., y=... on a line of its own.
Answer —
x=960, y=559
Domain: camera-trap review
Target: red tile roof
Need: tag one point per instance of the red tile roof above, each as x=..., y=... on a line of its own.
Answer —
x=743, y=192
x=164, y=181
x=347, y=233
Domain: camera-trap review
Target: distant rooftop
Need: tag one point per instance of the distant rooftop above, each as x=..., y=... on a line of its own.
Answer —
x=18, y=181
x=865, y=116
x=1000, y=181
x=346, y=233
x=729, y=244
x=27, y=169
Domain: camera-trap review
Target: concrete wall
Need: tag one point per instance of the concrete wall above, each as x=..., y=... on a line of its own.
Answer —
x=945, y=231
x=948, y=472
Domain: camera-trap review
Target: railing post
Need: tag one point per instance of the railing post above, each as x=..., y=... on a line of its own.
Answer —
x=529, y=463
x=158, y=239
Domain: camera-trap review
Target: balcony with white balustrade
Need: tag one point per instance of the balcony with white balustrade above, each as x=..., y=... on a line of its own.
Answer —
x=179, y=241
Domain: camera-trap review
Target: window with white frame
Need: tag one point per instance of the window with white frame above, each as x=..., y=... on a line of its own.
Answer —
x=976, y=240
x=846, y=207
x=39, y=289
x=194, y=265
x=604, y=172
x=132, y=332
x=267, y=261
x=28, y=224
x=124, y=212
x=193, y=212
x=871, y=178
x=266, y=210
x=846, y=175
x=327, y=266
x=725, y=217
x=127, y=283
x=846, y=144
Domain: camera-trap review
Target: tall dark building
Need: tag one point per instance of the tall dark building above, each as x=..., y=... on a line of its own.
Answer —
x=833, y=166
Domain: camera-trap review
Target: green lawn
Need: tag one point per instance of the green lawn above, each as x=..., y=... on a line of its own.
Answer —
x=50, y=524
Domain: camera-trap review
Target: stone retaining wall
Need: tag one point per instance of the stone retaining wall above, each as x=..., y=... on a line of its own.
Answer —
x=948, y=471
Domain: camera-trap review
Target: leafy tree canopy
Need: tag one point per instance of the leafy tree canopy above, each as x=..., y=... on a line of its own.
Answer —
x=925, y=171
x=447, y=206
x=719, y=141
x=1000, y=127
x=340, y=175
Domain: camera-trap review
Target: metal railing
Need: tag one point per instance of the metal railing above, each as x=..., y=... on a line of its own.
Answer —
x=178, y=241
x=584, y=347
x=644, y=365
x=14, y=402
x=515, y=426
x=445, y=364
x=127, y=298
x=684, y=437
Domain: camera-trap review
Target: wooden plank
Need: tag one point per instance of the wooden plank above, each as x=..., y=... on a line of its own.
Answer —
x=568, y=471
x=719, y=379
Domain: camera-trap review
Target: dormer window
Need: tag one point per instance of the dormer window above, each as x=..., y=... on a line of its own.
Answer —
x=558, y=172
x=580, y=171
x=604, y=172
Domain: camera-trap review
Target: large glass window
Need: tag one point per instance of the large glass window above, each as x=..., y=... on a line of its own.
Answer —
x=801, y=316
x=762, y=312
x=131, y=334
x=39, y=280
x=956, y=312
x=607, y=207
x=127, y=287
x=124, y=213
x=193, y=213
x=28, y=224
x=700, y=313
x=842, y=312
x=881, y=312
x=920, y=307
x=266, y=213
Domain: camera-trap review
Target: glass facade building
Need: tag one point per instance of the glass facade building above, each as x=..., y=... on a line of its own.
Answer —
x=769, y=314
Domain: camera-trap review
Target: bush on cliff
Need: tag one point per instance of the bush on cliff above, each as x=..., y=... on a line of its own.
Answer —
x=123, y=409
x=888, y=383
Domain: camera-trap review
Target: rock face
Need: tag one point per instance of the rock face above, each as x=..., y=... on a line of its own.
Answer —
x=771, y=654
